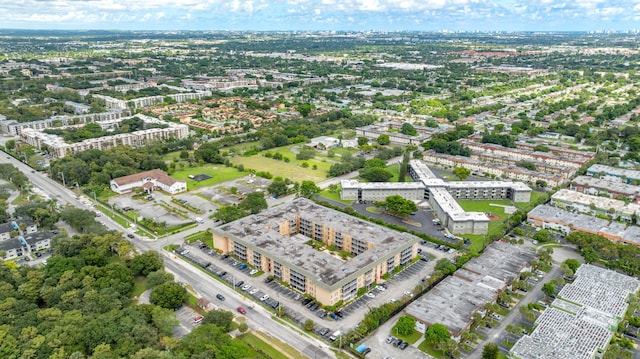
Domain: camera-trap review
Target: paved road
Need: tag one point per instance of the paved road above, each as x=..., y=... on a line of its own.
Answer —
x=514, y=315
x=208, y=287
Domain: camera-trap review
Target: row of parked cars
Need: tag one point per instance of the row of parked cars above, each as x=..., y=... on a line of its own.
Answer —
x=397, y=342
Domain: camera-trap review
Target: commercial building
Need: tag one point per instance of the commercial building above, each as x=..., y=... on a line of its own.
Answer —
x=582, y=319
x=58, y=148
x=545, y=216
x=150, y=181
x=316, y=250
x=614, y=173
x=453, y=301
x=440, y=195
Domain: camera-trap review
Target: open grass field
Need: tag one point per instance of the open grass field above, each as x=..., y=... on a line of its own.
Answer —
x=291, y=170
x=241, y=148
x=219, y=173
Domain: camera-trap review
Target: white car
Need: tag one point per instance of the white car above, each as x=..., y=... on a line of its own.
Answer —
x=381, y=288
x=264, y=297
x=370, y=295
x=253, y=291
x=246, y=287
x=253, y=271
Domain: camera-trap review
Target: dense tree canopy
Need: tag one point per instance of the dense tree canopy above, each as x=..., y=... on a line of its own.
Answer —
x=398, y=205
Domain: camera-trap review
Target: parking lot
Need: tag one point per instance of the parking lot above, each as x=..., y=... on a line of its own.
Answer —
x=243, y=186
x=187, y=318
x=149, y=208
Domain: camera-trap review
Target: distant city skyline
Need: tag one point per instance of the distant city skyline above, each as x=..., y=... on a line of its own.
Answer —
x=416, y=15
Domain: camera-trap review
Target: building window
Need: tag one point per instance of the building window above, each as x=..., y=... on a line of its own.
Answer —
x=277, y=270
x=240, y=251
x=297, y=281
x=349, y=290
x=257, y=260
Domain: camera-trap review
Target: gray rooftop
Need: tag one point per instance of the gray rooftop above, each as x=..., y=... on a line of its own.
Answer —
x=577, y=220
x=615, y=171
x=36, y=237
x=9, y=244
x=454, y=300
x=616, y=187
x=261, y=232
x=580, y=320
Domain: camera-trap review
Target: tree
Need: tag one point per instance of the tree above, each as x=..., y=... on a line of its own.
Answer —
x=408, y=129
x=308, y=189
x=541, y=183
x=490, y=351
x=304, y=109
x=375, y=163
x=158, y=277
x=362, y=141
x=309, y=325
x=277, y=187
x=383, y=139
x=254, y=202
x=445, y=266
x=461, y=172
x=573, y=264
x=375, y=174
x=209, y=153
x=184, y=155
x=406, y=325
x=541, y=236
x=398, y=205
x=164, y=319
x=549, y=289
x=228, y=214
x=145, y=263
x=437, y=334
x=243, y=327
x=219, y=317
x=168, y=295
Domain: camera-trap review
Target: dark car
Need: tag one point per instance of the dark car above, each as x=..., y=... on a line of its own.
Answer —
x=306, y=301
x=222, y=274
x=268, y=280
x=239, y=283
x=323, y=332
x=340, y=314
x=130, y=235
x=397, y=342
x=366, y=351
x=220, y=296
x=403, y=346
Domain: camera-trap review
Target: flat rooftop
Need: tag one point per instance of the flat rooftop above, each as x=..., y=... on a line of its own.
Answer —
x=602, y=203
x=581, y=320
x=454, y=300
x=450, y=206
x=381, y=185
x=577, y=220
x=615, y=171
x=616, y=187
x=261, y=232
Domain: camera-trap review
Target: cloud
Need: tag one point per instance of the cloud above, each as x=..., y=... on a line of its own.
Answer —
x=297, y=14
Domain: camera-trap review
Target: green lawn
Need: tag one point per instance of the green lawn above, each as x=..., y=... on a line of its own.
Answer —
x=411, y=338
x=139, y=285
x=241, y=148
x=202, y=236
x=333, y=196
x=258, y=343
x=218, y=172
x=427, y=348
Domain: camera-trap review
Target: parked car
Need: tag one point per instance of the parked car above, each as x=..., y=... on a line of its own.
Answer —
x=306, y=301
x=130, y=235
x=391, y=339
x=323, y=332
x=242, y=266
x=253, y=291
x=222, y=274
x=246, y=287
x=370, y=295
x=239, y=283
x=403, y=346
x=268, y=280
x=253, y=271
x=242, y=310
x=366, y=351
x=297, y=297
x=340, y=314
x=264, y=297
x=220, y=296
x=198, y=319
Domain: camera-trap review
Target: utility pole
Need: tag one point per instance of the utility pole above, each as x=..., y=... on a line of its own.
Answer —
x=63, y=181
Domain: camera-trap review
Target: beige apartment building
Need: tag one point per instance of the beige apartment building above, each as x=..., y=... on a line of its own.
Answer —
x=318, y=251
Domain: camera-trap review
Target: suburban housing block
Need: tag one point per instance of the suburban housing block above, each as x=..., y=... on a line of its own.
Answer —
x=351, y=253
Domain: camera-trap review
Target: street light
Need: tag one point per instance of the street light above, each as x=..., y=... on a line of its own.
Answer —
x=63, y=181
